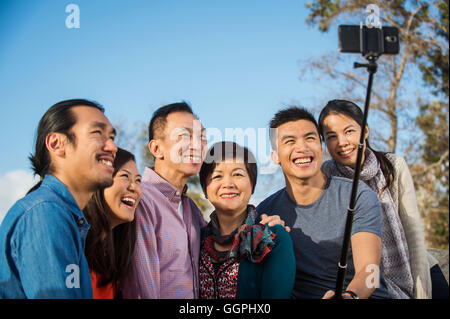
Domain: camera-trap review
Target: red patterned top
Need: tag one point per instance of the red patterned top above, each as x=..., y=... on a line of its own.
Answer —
x=220, y=285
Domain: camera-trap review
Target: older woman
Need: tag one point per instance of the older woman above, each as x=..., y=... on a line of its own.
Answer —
x=111, y=238
x=240, y=258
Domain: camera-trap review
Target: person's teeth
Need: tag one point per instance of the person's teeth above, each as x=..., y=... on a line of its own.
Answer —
x=228, y=195
x=130, y=200
x=303, y=161
x=106, y=162
x=346, y=152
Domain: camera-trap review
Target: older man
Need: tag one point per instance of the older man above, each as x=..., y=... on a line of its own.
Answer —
x=168, y=221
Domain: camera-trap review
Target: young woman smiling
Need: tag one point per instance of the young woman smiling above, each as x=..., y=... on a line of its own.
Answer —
x=240, y=258
x=111, y=238
x=405, y=261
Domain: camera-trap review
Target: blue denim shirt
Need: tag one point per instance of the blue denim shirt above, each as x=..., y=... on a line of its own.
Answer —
x=42, y=246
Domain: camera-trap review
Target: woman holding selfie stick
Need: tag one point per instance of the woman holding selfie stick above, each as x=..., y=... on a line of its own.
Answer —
x=405, y=262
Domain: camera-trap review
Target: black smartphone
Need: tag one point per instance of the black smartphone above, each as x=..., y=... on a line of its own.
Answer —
x=361, y=39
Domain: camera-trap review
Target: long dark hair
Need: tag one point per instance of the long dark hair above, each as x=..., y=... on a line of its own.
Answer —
x=109, y=252
x=59, y=118
x=353, y=111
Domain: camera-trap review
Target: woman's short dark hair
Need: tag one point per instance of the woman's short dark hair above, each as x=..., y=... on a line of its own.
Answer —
x=109, y=252
x=59, y=118
x=221, y=151
x=354, y=112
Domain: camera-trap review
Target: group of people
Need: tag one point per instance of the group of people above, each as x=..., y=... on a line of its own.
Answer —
x=94, y=227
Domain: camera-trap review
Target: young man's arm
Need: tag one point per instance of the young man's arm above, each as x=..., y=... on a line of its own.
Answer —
x=366, y=245
x=366, y=248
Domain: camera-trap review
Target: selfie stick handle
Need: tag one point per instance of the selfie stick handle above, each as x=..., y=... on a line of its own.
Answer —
x=342, y=265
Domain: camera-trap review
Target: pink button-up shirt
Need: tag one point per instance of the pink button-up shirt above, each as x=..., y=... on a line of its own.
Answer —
x=167, y=245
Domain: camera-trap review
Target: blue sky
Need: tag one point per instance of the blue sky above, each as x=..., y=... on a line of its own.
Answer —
x=236, y=58
x=235, y=62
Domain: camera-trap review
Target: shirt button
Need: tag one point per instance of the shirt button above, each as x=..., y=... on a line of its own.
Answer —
x=81, y=221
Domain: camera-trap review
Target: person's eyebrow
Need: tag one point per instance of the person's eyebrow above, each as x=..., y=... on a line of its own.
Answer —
x=312, y=133
x=347, y=127
x=127, y=171
x=287, y=137
x=190, y=130
x=103, y=126
x=181, y=129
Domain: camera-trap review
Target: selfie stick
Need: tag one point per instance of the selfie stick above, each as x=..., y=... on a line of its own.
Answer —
x=342, y=265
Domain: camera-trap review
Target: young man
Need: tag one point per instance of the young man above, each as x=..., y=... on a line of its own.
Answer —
x=168, y=222
x=314, y=206
x=42, y=235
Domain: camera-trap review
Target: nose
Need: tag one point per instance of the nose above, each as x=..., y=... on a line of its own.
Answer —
x=342, y=140
x=110, y=147
x=196, y=144
x=301, y=147
x=228, y=182
x=135, y=187
x=132, y=186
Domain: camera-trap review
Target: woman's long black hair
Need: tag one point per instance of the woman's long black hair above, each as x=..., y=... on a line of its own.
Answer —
x=352, y=110
x=109, y=252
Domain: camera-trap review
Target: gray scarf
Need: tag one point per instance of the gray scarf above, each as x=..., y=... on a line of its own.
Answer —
x=395, y=255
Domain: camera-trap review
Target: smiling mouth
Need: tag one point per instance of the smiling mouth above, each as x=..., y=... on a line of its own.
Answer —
x=303, y=161
x=106, y=162
x=346, y=153
x=192, y=158
x=230, y=195
x=129, y=201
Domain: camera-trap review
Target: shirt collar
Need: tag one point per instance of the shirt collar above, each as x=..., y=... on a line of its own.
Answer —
x=63, y=192
x=167, y=189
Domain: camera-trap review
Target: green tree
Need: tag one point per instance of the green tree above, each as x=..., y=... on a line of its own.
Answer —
x=423, y=57
x=433, y=173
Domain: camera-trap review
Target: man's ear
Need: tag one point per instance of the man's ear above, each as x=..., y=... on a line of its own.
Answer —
x=56, y=144
x=155, y=149
x=274, y=157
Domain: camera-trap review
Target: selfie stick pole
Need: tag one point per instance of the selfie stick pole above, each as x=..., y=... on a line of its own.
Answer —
x=342, y=265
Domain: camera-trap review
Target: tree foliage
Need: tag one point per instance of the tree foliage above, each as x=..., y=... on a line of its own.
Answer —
x=398, y=98
x=432, y=175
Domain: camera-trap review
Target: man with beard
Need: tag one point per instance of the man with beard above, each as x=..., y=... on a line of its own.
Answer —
x=42, y=235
